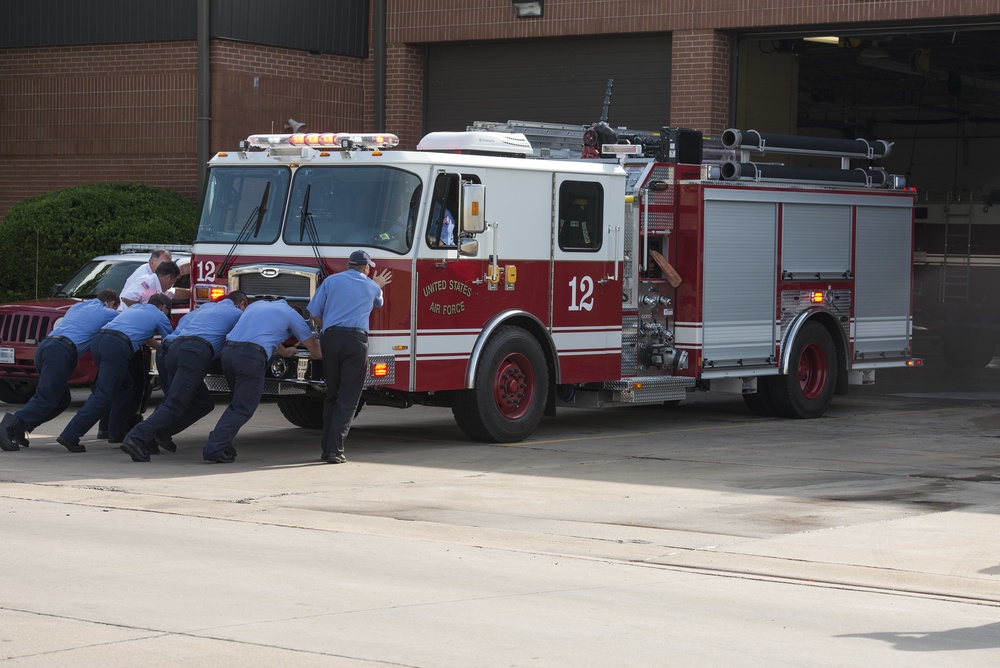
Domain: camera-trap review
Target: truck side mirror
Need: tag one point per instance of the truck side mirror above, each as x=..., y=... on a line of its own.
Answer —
x=473, y=208
x=56, y=288
x=468, y=247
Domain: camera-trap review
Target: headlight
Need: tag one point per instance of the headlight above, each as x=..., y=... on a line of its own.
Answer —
x=279, y=367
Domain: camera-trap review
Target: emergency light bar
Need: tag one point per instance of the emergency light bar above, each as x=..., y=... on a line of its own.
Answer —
x=621, y=149
x=324, y=140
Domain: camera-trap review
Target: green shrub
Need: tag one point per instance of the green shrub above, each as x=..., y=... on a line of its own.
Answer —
x=59, y=231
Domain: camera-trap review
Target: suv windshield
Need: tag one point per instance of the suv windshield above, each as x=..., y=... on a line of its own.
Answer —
x=353, y=206
x=98, y=275
x=243, y=203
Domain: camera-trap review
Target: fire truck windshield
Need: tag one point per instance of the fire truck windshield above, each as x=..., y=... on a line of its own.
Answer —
x=233, y=198
x=353, y=206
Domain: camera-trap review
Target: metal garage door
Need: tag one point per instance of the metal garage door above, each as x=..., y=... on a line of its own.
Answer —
x=553, y=81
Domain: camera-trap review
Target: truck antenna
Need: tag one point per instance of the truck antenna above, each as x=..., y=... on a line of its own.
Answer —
x=600, y=132
x=607, y=101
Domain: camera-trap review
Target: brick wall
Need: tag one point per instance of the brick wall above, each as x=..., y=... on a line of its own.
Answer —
x=84, y=114
x=425, y=21
x=699, y=85
x=258, y=88
x=127, y=112
x=404, y=102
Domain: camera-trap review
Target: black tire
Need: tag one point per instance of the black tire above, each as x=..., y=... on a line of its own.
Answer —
x=967, y=350
x=15, y=394
x=807, y=391
x=302, y=411
x=510, y=393
x=760, y=403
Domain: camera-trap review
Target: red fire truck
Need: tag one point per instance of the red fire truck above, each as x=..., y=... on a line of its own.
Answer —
x=656, y=269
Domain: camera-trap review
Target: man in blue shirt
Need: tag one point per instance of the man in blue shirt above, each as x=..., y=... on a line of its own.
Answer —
x=113, y=347
x=259, y=333
x=188, y=354
x=341, y=308
x=55, y=359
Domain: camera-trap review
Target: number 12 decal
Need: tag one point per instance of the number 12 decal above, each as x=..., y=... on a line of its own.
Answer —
x=206, y=271
x=586, y=285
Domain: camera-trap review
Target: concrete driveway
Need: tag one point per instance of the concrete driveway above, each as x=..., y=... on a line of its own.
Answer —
x=693, y=536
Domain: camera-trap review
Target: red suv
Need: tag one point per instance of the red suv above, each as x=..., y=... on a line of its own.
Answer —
x=24, y=324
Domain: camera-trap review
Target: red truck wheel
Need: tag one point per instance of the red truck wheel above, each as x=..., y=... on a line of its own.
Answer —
x=807, y=390
x=511, y=389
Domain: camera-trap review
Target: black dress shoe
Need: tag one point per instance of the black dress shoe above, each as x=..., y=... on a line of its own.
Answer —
x=7, y=441
x=336, y=459
x=135, y=450
x=220, y=458
x=70, y=445
x=227, y=456
x=151, y=448
x=164, y=441
x=102, y=434
x=21, y=438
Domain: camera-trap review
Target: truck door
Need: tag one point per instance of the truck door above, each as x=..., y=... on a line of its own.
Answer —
x=586, y=294
x=449, y=289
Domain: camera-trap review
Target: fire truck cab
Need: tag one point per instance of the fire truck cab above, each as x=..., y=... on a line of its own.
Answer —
x=521, y=284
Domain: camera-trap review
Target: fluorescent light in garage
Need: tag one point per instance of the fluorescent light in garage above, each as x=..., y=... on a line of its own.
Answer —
x=823, y=39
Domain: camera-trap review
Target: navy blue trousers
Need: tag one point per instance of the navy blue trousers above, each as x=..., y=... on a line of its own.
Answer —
x=112, y=391
x=345, y=360
x=244, y=369
x=186, y=399
x=55, y=360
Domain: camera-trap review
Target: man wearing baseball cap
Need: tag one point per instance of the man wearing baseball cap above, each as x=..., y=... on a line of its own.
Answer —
x=341, y=308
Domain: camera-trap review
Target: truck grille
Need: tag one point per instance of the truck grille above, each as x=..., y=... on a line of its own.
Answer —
x=286, y=286
x=18, y=328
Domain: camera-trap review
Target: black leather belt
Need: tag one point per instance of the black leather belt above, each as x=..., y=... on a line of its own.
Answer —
x=247, y=344
x=64, y=339
x=353, y=330
x=121, y=335
x=193, y=338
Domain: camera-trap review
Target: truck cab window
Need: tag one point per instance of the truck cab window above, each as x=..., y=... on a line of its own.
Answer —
x=442, y=226
x=581, y=208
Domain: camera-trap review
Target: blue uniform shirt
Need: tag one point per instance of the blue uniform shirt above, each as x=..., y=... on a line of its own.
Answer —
x=268, y=323
x=140, y=322
x=82, y=321
x=210, y=321
x=346, y=300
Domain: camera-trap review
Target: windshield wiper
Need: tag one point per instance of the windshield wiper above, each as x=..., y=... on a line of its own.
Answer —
x=307, y=224
x=256, y=218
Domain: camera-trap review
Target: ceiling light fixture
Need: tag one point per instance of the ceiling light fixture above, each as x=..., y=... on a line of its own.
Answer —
x=525, y=9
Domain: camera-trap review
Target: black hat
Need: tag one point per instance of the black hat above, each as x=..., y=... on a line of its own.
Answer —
x=360, y=258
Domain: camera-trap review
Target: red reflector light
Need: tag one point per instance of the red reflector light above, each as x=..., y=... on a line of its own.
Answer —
x=380, y=370
x=217, y=293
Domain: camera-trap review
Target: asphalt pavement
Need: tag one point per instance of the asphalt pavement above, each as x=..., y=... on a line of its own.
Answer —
x=698, y=535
